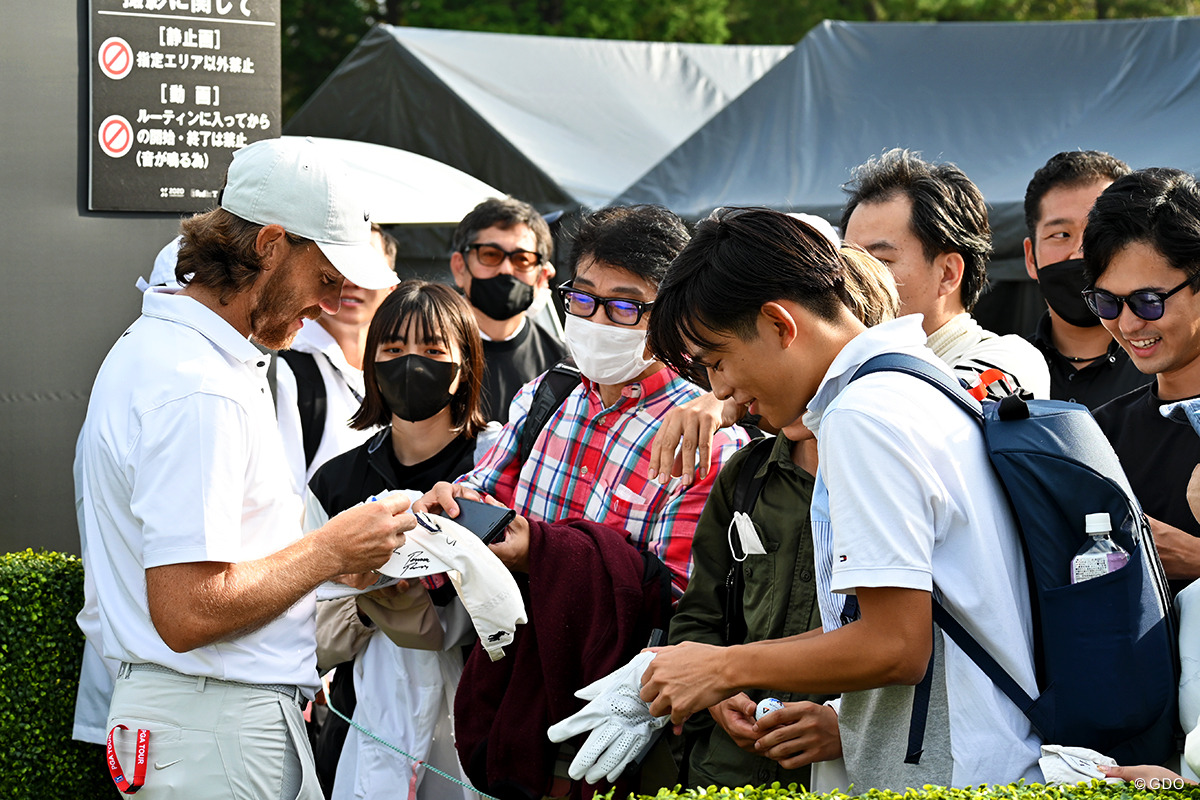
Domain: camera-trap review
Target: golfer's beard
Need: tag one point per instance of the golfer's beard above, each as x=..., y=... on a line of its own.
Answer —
x=271, y=320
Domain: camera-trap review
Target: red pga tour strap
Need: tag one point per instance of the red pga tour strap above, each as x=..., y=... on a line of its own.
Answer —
x=986, y=379
x=139, y=768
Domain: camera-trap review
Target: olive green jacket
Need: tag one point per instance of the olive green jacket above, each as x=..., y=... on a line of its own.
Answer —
x=780, y=600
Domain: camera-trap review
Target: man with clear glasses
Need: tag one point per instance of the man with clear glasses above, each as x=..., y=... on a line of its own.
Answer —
x=592, y=459
x=501, y=262
x=589, y=466
x=1141, y=252
x=579, y=303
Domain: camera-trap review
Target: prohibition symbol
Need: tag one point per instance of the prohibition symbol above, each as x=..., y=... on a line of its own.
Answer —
x=115, y=57
x=116, y=136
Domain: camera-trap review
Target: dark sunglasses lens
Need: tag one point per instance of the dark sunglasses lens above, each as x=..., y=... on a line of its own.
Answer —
x=622, y=312
x=1147, y=305
x=1103, y=304
x=579, y=304
x=489, y=256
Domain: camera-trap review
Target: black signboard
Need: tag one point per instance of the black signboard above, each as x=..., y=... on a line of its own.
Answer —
x=177, y=86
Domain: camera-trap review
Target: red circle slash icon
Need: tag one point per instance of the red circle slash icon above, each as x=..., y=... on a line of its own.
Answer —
x=116, y=136
x=115, y=57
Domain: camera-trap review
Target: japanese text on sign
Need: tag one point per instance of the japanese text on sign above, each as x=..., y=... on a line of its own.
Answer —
x=180, y=84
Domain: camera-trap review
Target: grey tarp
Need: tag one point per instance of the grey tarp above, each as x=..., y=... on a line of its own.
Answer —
x=558, y=122
x=998, y=99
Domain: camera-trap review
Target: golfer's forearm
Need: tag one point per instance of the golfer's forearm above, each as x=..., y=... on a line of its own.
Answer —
x=196, y=604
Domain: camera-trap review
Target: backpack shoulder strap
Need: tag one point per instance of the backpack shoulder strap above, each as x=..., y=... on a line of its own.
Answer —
x=749, y=482
x=983, y=659
x=745, y=497
x=920, y=368
x=559, y=381
x=310, y=398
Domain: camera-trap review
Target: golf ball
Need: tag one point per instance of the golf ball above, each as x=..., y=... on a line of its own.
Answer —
x=766, y=706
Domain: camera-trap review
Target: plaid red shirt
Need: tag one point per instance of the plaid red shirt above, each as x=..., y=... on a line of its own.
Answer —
x=593, y=462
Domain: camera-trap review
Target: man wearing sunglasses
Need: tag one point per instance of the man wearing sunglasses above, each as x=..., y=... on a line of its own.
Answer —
x=1142, y=260
x=1086, y=364
x=501, y=263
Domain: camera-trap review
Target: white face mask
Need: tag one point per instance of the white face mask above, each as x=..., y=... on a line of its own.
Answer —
x=606, y=354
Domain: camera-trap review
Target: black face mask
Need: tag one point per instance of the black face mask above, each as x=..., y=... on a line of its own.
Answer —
x=415, y=387
x=501, y=297
x=1061, y=284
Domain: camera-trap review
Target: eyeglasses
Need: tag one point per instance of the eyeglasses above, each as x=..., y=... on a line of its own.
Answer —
x=1144, y=303
x=579, y=303
x=490, y=255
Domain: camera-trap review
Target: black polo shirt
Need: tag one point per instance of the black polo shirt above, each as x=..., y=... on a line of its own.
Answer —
x=1096, y=383
x=509, y=365
x=1158, y=456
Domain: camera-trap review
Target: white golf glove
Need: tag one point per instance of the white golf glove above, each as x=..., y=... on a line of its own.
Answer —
x=620, y=722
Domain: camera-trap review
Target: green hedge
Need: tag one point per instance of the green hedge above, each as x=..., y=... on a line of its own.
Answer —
x=41, y=648
x=40, y=651
x=1096, y=790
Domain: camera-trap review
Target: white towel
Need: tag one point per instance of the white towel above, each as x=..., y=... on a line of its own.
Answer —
x=1073, y=764
x=486, y=587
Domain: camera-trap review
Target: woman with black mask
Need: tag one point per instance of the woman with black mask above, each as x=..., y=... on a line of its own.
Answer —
x=423, y=370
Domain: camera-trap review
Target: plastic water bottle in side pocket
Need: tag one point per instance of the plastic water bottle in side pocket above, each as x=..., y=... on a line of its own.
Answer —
x=1100, y=555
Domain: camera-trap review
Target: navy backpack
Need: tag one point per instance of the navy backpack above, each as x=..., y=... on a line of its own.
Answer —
x=1105, y=650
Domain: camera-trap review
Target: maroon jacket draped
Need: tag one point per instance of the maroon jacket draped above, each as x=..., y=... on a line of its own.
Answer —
x=591, y=607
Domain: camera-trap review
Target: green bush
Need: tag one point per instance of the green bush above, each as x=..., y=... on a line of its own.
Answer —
x=1093, y=791
x=41, y=648
x=40, y=651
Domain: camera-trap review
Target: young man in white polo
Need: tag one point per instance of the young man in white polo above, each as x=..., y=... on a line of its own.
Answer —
x=193, y=539
x=906, y=504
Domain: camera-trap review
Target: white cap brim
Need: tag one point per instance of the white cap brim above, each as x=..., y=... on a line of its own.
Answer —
x=361, y=264
x=821, y=226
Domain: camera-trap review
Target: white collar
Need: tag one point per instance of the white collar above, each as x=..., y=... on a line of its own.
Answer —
x=315, y=338
x=901, y=335
x=184, y=310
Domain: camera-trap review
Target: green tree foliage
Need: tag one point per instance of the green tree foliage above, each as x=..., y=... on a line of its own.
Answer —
x=786, y=21
x=317, y=35
x=40, y=651
x=649, y=20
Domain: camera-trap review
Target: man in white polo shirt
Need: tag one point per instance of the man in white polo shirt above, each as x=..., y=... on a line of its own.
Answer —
x=905, y=500
x=193, y=533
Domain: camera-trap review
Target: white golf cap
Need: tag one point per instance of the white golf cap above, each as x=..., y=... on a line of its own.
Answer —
x=296, y=184
x=821, y=226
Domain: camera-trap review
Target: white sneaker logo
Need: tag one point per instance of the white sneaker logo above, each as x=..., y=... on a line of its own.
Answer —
x=169, y=763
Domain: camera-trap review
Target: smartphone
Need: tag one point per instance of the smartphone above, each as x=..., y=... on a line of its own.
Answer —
x=485, y=521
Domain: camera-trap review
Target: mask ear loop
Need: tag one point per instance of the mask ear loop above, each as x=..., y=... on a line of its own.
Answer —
x=745, y=528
